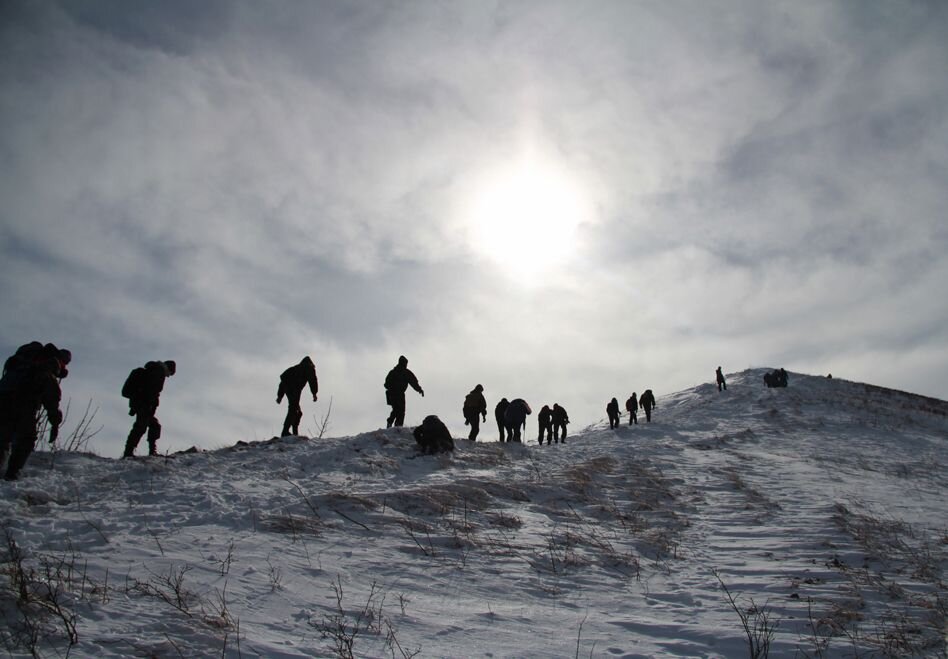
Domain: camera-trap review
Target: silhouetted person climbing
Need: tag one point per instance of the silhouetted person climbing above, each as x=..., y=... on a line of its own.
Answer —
x=515, y=417
x=632, y=406
x=292, y=382
x=612, y=411
x=777, y=378
x=719, y=376
x=143, y=388
x=475, y=407
x=30, y=382
x=545, y=423
x=433, y=436
x=396, y=384
x=499, y=412
x=647, y=403
x=560, y=419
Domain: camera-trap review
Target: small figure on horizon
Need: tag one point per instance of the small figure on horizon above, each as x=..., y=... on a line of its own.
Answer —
x=433, y=436
x=647, y=403
x=474, y=408
x=545, y=423
x=719, y=376
x=612, y=411
x=632, y=405
x=396, y=384
x=30, y=382
x=515, y=417
x=499, y=412
x=143, y=388
x=292, y=382
x=776, y=378
x=560, y=419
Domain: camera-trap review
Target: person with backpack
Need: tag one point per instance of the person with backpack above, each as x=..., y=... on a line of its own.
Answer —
x=719, y=377
x=560, y=418
x=632, y=406
x=647, y=403
x=499, y=412
x=475, y=407
x=515, y=417
x=30, y=382
x=433, y=436
x=545, y=422
x=292, y=382
x=142, y=388
x=612, y=411
x=396, y=384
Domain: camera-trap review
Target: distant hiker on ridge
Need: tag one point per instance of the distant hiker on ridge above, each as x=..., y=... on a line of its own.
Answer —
x=777, y=378
x=515, y=417
x=632, y=406
x=474, y=408
x=560, y=419
x=647, y=402
x=612, y=411
x=396, y=384
x=719, y=376
x=433, y=436
x=292, y=382
x=30, y=381
x=143, y=388
x=545, y=422
x=499, y=412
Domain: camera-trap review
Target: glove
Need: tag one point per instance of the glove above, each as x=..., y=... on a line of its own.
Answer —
x=53, y=434
x=314, y=398
x=485, y=418
x=279, y=399
x=466, y=422
x=422, y=392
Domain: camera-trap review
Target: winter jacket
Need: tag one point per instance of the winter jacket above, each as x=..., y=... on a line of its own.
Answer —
x=516, y=414
x=474, y=404
x=295, y=378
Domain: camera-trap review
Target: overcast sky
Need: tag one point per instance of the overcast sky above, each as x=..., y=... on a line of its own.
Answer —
x=562, y=201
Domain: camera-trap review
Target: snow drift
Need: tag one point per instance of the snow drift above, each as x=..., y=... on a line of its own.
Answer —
x=807, y=521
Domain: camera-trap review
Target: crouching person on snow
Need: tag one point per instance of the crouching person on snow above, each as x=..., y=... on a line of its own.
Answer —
x=433, y=436
x=143, y=388
x=30, y=381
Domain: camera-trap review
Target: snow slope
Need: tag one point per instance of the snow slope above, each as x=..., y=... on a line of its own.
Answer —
x=820, y=507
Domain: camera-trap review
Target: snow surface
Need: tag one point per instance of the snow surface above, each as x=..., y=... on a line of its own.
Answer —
x=821, y=507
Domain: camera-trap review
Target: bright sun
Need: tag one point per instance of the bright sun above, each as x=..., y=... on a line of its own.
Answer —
x=525, y=216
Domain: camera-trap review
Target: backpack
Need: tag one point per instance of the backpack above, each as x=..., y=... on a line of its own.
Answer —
x=22, y=369
x=471, y=404
x=134, y=383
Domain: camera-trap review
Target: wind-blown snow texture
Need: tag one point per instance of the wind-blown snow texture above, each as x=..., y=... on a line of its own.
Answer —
x=823, y=504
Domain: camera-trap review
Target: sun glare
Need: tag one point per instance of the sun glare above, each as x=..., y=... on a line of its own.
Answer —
x=525, y=216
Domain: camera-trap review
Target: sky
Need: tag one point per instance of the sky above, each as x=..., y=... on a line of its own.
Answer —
x=562, y=201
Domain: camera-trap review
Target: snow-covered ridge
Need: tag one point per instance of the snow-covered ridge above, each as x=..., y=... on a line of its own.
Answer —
x=822, y=502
